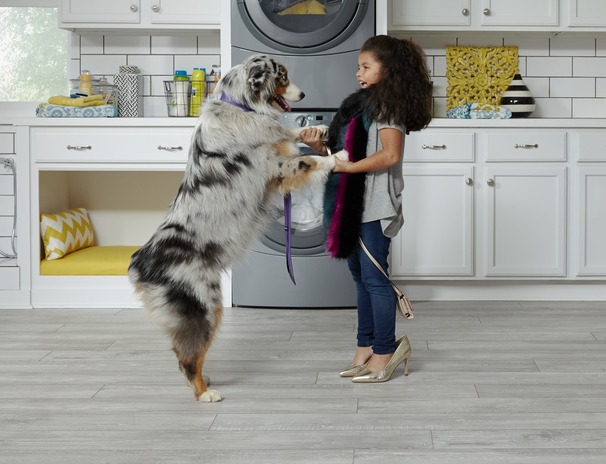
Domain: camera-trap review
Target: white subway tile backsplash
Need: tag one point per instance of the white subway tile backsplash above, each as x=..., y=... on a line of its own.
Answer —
x=189, y=62
x=209, y=42
x=572, y=46
x=589, y=108
x=594, y=66
x=174, y=45
x=548, y=67
x=572, y=87
x=553, y=108
x=91, y=44
x=102, y=64
x=567, y=75
x=153, y=64
x=528, y=45
x=538, y=86
x=127, y=45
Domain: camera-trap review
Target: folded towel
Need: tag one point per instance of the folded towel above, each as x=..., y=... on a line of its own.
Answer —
x=46, y=110
x=479, y=111
x=93, y=100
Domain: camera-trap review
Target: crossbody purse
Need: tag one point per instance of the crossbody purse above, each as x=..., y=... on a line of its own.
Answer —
x=403, y=303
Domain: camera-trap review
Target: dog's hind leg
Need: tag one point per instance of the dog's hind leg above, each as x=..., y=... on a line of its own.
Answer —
x=192, y=365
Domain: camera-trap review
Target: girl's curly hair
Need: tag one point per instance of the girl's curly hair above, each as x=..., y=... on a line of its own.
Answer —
x=403, y=95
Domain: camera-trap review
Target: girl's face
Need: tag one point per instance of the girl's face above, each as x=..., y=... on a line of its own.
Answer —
x=369, y=70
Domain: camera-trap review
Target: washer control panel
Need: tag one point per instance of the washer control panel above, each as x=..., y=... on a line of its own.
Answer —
x=296, y=119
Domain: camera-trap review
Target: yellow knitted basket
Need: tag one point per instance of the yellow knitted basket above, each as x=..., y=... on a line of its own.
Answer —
x=478, y=74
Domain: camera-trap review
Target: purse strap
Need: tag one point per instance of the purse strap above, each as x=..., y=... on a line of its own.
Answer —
x=406, y=305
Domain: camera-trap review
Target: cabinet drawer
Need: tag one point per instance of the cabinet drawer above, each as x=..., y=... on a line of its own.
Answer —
x=526, y=146
x=439, y=146
x=9, y=278
x=590, y=145
x=115, y=145
x=7, y=143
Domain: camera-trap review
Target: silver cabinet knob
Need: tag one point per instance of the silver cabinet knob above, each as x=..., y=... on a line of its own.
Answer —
x=465, y=12
x=155, y=8
x=469, y=181
x=490, y=182
x=79, y=147
x=133, y=8
x=486, y=12
x=165, y=148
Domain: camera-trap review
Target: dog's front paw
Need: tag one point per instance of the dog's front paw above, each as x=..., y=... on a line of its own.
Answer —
x=210, y=396
x=342, y=155
x=323, y=130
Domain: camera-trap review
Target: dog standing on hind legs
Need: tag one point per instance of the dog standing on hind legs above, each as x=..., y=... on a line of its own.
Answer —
x=240, y=157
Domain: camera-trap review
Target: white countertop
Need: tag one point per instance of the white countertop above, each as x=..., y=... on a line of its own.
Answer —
x=190, y=122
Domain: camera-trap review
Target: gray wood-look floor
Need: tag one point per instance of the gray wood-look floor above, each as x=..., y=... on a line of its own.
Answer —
x=490, y=382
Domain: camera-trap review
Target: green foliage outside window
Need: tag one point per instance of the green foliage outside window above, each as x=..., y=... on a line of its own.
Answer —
x=33, y=55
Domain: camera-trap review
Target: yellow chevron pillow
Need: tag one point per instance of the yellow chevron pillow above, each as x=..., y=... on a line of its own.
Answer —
x=66, y=232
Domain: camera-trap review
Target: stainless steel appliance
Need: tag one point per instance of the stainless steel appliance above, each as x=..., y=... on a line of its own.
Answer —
x=320, y=51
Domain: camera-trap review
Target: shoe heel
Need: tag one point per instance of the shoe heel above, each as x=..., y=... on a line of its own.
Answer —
x=406, y=366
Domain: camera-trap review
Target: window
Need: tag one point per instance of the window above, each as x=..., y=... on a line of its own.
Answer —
x=33, y=56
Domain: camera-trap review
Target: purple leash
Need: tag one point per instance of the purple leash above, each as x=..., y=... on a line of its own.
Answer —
x=288, y=229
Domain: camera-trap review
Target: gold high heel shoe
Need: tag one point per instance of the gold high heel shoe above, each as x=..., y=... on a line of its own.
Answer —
x=402, y=354
x=354, y=369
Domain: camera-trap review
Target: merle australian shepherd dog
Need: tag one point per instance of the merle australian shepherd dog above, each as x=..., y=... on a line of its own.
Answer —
x=240, y=157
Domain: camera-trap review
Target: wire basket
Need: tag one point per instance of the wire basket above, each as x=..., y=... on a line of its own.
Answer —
x=178, y=96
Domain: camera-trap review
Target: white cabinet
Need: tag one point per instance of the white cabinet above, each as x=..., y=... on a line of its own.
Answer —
x=587, y=13
x=431, y=13
x=473, y=14
x=483, y=204
x=590, y=254
x=525, y=220
x=592, y=221
x=139, y=14
x=437, y=237
x=519, y=13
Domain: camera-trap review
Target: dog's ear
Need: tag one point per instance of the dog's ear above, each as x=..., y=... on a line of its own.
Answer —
x=259, y=71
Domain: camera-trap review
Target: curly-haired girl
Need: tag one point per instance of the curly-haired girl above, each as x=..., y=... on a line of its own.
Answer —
x=364, y=198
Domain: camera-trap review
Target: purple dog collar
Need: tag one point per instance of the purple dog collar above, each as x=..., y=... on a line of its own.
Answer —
x=231, y=101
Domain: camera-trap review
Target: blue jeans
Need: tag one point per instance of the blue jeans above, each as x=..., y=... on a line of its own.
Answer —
x=375, y=297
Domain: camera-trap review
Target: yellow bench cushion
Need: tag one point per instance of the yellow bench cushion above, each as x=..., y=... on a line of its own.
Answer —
x=96, y=260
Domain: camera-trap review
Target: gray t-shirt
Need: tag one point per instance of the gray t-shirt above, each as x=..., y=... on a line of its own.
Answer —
x=383, y=197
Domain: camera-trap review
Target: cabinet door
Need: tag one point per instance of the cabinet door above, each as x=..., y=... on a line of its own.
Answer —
x=430, y=13
x=520, y=12
x=587, y=13
x=526, y=221
x=185, y=11
x=592, y=221
x=437, y=237
x=107, y=11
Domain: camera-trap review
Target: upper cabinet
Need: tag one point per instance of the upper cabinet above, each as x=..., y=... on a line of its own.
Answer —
x=139, y=14
x=587, y=13
x=488, y=15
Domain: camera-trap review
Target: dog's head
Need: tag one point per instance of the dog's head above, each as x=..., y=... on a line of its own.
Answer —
x=262, y=84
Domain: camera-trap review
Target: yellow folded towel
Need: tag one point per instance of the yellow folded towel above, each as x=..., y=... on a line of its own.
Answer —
x=93, y=100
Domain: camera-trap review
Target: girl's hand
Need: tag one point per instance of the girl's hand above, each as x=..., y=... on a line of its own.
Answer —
x=312, y=138
x=341, y=166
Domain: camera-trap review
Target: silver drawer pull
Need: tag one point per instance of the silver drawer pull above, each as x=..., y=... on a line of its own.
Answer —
x=433, y=147
x=79, y=147
x=526, y=145
x=162, y=147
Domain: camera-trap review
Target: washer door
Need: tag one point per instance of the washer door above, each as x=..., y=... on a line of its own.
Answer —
x=288, y=26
